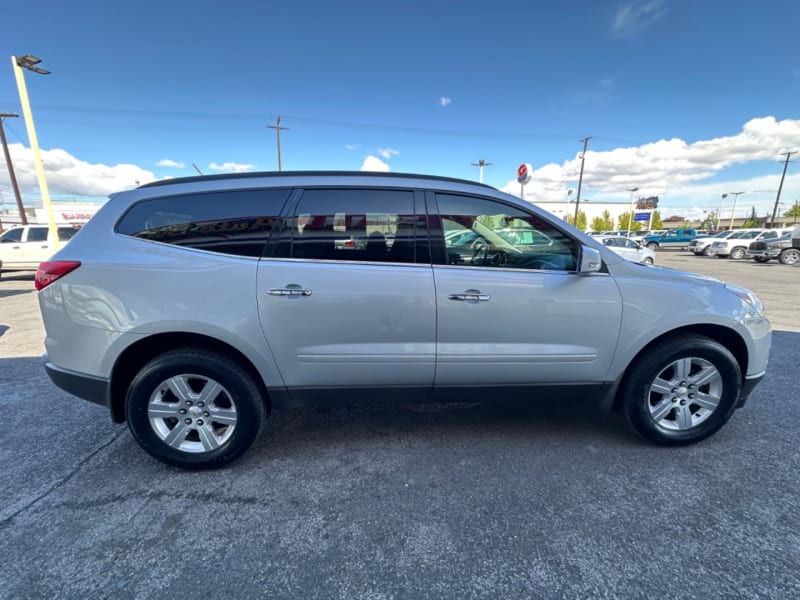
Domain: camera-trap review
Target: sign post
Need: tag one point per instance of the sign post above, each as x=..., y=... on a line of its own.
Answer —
x=523, y=176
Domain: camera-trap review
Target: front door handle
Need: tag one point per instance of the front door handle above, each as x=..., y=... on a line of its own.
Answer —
x=470, y=296
x=288, y=292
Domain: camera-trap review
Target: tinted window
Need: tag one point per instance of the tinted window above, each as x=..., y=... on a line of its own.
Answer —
x=37, y=234
x=368, y=225
x=486, y=233
x=231, y=222
x=12, y=235
x=66, y=233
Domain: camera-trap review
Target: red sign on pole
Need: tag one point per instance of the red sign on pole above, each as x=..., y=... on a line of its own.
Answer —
x=524, y=173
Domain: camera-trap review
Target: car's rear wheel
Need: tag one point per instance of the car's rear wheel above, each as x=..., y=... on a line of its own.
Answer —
x=790, y=256
x=737, y=253
x=681, y=391
x=194, y=409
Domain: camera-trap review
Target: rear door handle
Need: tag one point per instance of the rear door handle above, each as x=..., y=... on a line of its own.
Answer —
x=288, y=292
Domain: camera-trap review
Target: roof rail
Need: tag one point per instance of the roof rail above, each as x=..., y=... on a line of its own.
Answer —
x=248, y=175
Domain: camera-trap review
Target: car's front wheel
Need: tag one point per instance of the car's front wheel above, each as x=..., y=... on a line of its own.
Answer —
x=737, y=253
x=682, y=390
x=194, y=409
x=790, y=256
x=707, y=251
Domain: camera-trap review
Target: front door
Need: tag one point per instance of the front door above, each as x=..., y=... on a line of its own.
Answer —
x=514, y=314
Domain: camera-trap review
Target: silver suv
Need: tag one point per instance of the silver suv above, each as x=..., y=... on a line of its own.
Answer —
x=191, y=307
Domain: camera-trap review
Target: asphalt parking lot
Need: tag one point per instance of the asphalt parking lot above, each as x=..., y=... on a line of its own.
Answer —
x=492, y=500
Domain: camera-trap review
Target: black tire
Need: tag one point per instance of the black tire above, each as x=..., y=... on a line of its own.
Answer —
x=638, y=399
x=647, y=261
x=737, y=253
x=205, y=443
x=707, y=251
x=653, y=246
x=789, y=256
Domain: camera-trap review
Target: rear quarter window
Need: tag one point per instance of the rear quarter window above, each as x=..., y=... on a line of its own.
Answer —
x=237, y=222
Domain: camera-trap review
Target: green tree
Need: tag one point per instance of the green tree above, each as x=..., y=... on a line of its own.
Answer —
x=581, y=220
x=793, y=212
x=752, y=220
x=657, y=223
x=603, y=223
x=625, y=218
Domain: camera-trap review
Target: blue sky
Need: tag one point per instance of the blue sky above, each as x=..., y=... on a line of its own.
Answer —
x=424, y=87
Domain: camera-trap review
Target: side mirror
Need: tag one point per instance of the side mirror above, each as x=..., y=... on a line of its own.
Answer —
x=590, y=261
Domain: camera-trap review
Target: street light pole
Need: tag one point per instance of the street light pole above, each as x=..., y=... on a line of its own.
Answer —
x=30, y=62
x=11, y=175
x=481, y=163
x=788, y=155
x=735, y=200
x=630, y=215
x=719, y=214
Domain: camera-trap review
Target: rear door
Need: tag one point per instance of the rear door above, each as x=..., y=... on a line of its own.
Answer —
x=517, y=316
x=346, y=298
x=37, y=248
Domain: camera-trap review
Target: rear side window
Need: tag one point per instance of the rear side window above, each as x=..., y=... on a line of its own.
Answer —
x=362, y=225
x=66, y=233
x=235, y=222
x=37, y=234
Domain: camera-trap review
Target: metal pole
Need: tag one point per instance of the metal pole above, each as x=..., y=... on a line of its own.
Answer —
x=780, y=187
x=630, y=215
x=11, y=175
x=580, y=179
x=735, y=200
x=37, y=156
x=719, y=214
x=277, y=127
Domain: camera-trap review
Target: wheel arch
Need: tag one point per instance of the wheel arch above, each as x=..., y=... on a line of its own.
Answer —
x=725, y=336
x=135, y=356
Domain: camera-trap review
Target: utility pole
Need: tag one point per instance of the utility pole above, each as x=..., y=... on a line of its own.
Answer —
x=580, y=179
x=780, y=187
x=11, y=174
x=277, y=127
x=481, y=163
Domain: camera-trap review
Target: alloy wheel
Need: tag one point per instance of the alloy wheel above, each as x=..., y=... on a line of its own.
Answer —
x=684, y=394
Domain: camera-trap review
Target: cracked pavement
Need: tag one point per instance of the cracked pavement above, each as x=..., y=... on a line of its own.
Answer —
x=423, y=501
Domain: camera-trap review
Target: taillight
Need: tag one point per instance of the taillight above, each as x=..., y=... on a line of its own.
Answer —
x=50, y=271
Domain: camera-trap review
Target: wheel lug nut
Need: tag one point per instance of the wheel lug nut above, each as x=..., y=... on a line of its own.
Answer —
x=200, y=404
x=200, y=422
x=674, y=399
x=683, y=402
x=182, y=411
x=691, y=396
x=188, y=403
x=206, y=414
x=188, y=421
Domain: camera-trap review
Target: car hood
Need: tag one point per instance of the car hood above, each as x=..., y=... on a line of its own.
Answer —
x=631, y=269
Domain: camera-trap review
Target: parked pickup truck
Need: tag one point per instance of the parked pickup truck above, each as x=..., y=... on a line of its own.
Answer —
x=23, y=247
x=785, y=248
x=674, y=238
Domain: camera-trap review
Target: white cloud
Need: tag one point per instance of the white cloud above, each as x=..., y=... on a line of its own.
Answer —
x=170, y=163
x=352, y=146
x=444, y=101
x=388, y=152
x=71, y=176
x=373, y=163
x=636, y=17
x=231, y=166
x=671, y=168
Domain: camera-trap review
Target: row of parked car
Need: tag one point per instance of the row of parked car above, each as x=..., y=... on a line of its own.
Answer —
x=762, y=245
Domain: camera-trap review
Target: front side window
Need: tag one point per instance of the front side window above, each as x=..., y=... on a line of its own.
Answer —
x=481, y=232
x=12, y=235
x=362, y=225
x=237, y=222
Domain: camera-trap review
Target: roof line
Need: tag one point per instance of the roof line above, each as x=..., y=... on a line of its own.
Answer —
x=256, y=174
